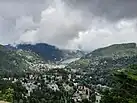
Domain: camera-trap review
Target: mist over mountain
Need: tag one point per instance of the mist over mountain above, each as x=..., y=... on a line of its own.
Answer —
x=46, y=51
x=50, y=52
x=71, y=24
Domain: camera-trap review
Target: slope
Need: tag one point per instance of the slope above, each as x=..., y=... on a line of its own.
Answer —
x=16, y=61
x=97, y=66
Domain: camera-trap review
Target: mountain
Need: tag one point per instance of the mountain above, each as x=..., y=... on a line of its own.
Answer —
x=9, y=59
x=110, y=72
x=116, y=50
x=49, y=52
x=10, y=47
x=17, y=61
x=86, y=80
x=46, y=51
x=37, y=83
x=99, y=64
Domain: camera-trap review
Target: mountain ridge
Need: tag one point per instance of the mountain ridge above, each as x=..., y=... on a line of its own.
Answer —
x=49, y=52
x=114, y=50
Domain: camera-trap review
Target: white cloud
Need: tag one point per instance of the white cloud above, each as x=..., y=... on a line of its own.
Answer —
x=66, y=26
x=106, y=33
x=58, y=25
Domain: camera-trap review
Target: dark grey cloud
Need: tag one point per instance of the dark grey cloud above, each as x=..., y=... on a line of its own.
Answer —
x=110, y=9
x=15, y=8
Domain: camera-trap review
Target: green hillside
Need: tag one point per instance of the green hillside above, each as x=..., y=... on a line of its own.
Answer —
x=16, y=61
x=100, y=63
x=108, y=75
x=116, y=50
x=125, y=88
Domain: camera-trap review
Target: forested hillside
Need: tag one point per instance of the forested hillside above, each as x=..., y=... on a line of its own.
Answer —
x=106, y=75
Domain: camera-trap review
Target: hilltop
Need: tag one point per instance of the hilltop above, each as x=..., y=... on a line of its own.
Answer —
x=115, y=50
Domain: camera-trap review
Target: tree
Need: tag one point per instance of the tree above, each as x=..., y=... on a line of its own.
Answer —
x=7, y=95
x=125, y=89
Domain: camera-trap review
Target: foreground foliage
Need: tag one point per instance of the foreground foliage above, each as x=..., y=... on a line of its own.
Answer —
x=125, y=90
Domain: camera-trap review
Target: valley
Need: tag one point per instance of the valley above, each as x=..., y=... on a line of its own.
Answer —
x=27, y=77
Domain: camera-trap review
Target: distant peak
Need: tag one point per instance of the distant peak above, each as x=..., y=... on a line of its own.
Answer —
x=124, y=45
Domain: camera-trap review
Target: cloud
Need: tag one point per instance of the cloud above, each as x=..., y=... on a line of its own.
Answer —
x=84, y=24
x=105, y=33
x=12, y=15
x=113, y=10
x=58, y=25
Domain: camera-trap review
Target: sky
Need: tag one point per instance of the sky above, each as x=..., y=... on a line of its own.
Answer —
x=68, y=24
